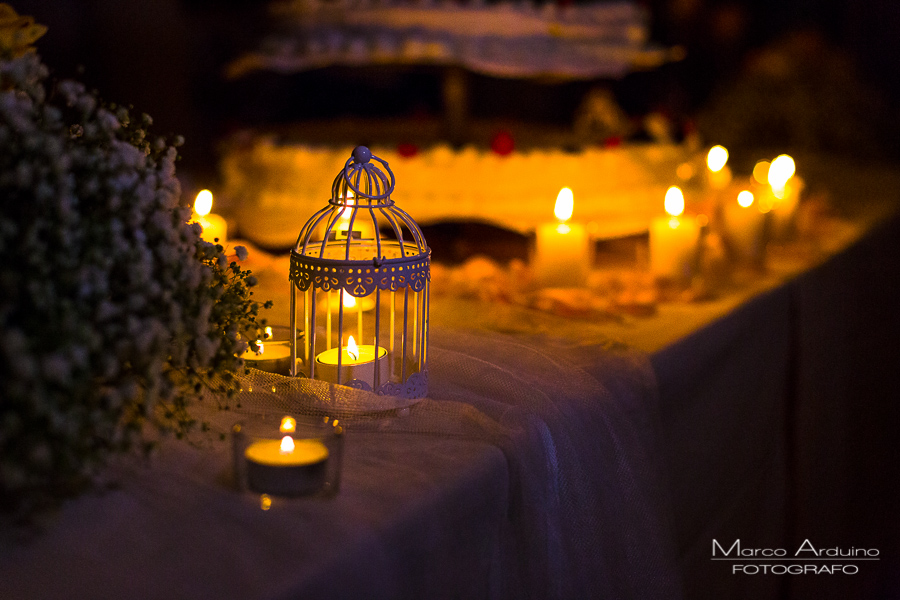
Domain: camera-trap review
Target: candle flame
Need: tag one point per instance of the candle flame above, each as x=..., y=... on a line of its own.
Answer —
x=203, y=203
x=268, y=333
x=349, y=301
x=674, y=201
x=716, y=158
x=745, y=198
x=288, y=425
x=565, y=204
x=352, y=348
x=287, y=444
x=782, y=169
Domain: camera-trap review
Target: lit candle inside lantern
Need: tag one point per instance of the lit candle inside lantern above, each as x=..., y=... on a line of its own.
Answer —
x=362, y=224
x=744, y=226
x=562, y=253
x=215, y=229
x=358, y=361
x=286, y=467
x=673, y=240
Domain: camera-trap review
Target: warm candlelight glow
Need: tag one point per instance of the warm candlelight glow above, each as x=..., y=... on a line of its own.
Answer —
x=716, y=158
x=685, y=171
x=761, y=171
x=287, y=444
x=562, y=250
x=565, y=204
x=349, y=301
x=673, y=240
x=745, y=198
x=213, y=227
x=782, y=169
x=203, y=203
x=288, y=425
x=352, y=348
x=260, y=348
x=268, y=333
x=674, y=201
x=349, y=201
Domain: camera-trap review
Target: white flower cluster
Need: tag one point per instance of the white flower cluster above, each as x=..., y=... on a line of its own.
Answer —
x=113, y=312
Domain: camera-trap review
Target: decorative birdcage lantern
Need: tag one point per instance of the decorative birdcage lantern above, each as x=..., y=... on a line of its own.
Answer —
x=361, y=270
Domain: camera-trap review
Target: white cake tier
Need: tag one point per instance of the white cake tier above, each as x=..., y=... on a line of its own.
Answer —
x=274, y=188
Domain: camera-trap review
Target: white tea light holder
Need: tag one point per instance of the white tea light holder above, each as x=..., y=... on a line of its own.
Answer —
x=360, y=279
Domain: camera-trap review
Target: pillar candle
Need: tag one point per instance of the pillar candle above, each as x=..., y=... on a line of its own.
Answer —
x=562, y=250
x=215, y=229
x=673, y=240
x=744, y=226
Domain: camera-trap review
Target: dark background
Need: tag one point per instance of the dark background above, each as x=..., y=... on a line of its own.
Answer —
x=166, y=57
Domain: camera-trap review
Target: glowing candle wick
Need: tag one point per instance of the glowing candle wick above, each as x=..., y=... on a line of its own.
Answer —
x=352, y=348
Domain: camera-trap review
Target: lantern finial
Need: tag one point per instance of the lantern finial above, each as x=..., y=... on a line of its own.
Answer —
x=361, y=154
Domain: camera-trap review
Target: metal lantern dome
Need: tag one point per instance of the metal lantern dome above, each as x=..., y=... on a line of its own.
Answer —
x=361, y=269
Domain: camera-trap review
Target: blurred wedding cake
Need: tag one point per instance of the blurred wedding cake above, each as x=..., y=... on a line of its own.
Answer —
x=275, y=181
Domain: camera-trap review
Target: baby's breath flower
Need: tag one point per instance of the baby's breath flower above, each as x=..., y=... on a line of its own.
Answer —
x=113, y=310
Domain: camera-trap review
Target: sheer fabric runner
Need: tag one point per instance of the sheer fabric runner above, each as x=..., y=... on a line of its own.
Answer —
x=588, y=516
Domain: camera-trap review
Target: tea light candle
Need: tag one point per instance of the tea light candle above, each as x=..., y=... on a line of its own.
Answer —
x=562, y=253
x=673, y=240
x=356, y=363
x=215, y=229
x=744, y=227
x=273, y=357
x=286, y=467
x=269, y=355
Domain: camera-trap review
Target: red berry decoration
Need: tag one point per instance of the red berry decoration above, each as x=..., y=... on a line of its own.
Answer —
x=407, y=150
x=502, y=143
